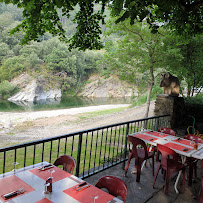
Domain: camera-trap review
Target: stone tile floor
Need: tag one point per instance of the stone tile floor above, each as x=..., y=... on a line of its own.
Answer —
x=143, y=191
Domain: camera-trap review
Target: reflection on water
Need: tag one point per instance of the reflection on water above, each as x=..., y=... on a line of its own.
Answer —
x=64, y=102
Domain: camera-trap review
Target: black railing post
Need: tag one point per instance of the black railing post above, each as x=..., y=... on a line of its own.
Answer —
x=126, y=142
x=157, y=125
x=79, y=155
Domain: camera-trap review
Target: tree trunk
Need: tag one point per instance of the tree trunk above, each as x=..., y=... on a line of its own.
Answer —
x=149, y=92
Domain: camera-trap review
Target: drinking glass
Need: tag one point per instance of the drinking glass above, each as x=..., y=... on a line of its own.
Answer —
x=14, y=166
x=162, y=131
x=51, y=171
x=192, y=142
x=94, y=198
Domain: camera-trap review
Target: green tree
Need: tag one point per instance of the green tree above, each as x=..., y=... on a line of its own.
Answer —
x=34, y=62
x=34, y=47
x=12, y=67
x=6, y=89
x=40, y=16
x=136, y=54
x=185, y=60
x=4, y=50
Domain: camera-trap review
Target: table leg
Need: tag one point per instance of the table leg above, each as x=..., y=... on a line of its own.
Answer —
x=183, y=158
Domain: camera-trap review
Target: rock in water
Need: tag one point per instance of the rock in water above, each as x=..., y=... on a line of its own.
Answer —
x=35, y=91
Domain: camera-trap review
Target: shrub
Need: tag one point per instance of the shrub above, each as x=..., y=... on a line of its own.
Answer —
x=6, y=89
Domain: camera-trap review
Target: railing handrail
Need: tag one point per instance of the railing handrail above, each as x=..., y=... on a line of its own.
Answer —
x=4, y=149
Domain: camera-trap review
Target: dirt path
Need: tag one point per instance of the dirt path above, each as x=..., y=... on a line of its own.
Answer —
x=46, y=124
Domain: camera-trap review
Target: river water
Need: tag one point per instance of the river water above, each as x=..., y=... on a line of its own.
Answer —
x=62, y=103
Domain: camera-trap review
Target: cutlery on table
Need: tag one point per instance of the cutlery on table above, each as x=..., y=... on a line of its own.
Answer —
x=14, y=193
x=83, y=187
x=45, y=167
x=80, y=185
x=186, y=149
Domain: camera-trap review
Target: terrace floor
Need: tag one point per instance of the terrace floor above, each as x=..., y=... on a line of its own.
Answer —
x=143, y=191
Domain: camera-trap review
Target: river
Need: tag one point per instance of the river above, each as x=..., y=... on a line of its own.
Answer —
x=62, y=103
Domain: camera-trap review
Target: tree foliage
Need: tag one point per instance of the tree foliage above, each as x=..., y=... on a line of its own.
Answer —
x=6, y=89
x=49, y=58
x=184, y=58
x=136, y=54
x=184, y=16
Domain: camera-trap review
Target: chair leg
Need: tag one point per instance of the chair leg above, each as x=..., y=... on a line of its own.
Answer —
x=126, y=168
x=157, y=171
x=164, y=174
x=183, y=184
x=190, y=174
x=201, y=195
x=195, y=169
x=129, y=159
x=153, y=166
x=138, y=173
x=167, y=182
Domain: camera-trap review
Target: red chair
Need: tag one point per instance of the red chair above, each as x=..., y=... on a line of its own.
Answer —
x=167, y=131
x=140, y=153
x=201, y=196
x=114, y=185
x=67, y=162
x=192, y=162
x=170, y=164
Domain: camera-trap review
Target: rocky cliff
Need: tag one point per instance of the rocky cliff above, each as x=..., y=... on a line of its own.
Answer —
x=38, y=89
x=107, y=87
x=33, y=89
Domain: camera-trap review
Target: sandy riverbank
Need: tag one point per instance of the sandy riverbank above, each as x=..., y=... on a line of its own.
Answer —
x=9, y=119
x=38, y=125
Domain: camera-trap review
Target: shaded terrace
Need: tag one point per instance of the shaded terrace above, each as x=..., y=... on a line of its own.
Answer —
x=143, y=191
x=102, y=151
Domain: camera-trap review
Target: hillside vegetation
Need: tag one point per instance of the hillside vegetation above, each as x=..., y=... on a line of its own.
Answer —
x=132, y=53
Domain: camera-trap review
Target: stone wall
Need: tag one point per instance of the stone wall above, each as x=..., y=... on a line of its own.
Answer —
x=174, y=106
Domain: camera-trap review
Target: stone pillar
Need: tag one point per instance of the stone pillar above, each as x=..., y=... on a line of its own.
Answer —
x=172, y=105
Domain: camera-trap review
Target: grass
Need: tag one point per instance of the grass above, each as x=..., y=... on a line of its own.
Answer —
x=25, y=125
x=100, y=113
x=96, y=149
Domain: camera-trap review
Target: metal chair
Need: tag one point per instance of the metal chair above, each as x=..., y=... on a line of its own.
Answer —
x=140, y=153
x=170, y=164
x=68, y=163
x=114, y=185
x=190, y=161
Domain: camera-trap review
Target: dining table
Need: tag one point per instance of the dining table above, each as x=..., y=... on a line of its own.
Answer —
x=29, y=184
x=185, y=148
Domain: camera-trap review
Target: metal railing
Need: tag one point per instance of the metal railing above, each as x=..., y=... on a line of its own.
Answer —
x=94, y=150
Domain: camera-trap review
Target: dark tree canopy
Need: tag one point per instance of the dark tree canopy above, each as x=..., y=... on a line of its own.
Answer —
x=40, y=16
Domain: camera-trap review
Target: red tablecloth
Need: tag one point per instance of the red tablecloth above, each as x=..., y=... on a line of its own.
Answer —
x=178, y=147
x=157, y=134
x=145, y=137
x=12, y=183
x=183, y=141
x=44, y=200
x=57, y=175
x=85, y=196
